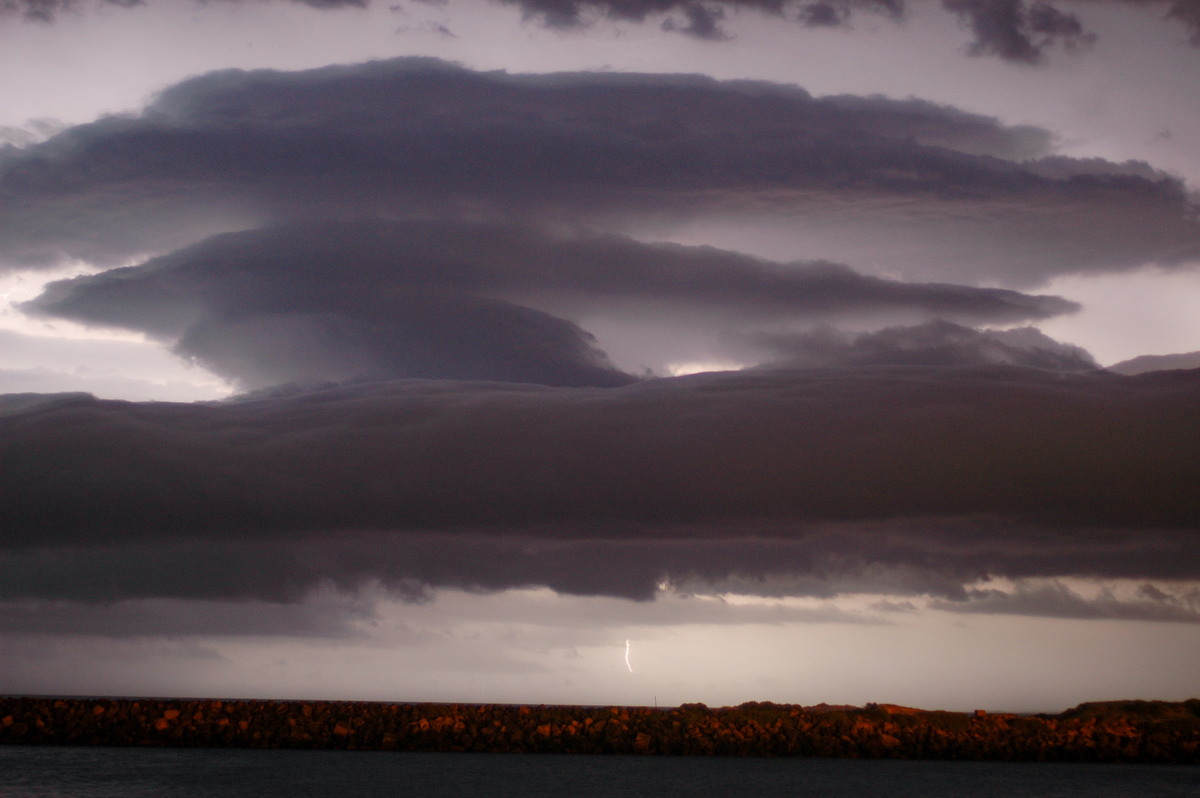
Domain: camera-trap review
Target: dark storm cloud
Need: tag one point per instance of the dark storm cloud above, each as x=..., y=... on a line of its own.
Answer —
x=935, y=343
x=702, y=18
x=339, y=300
x=826, y=445
x=702, y=22
x=940, y=558
x=918, y=479
x=927, y=190
x=574, y=13
x=341, y=266
x=1021, y=30
x=1017, y=31
x=49, y=10
x=1014, y=30
x=418, y=334
x=329, y=612
x=1189, y=15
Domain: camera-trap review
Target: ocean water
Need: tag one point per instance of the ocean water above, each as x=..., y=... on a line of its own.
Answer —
x=54, y=772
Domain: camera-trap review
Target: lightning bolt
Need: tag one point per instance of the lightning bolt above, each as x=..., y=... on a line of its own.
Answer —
x=627, y=665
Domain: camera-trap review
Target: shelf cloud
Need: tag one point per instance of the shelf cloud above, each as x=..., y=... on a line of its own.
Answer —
x=917, y=479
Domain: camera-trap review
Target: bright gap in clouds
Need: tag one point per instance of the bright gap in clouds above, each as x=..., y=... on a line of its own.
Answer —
x=55, y=355
x=23, y=285
x=700, y=367
x=534, y=646
x=1148, y=312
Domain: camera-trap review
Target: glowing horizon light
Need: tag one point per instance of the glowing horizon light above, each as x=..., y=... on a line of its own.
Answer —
x=701, y=367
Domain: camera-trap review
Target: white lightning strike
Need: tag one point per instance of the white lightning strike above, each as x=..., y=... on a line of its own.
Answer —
x=627, y=665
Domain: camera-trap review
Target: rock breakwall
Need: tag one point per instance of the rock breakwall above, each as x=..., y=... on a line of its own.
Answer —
x=1131, y=731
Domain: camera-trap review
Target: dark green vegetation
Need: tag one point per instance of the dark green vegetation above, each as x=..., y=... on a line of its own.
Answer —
x=1119, y=731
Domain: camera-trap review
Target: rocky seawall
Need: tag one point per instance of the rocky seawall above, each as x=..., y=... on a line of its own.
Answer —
x=1120, y=731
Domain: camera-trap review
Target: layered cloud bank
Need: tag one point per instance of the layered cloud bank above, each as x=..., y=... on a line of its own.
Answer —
x=908, y=479
x=920, y=190
x=438, y=285
x=343, y=300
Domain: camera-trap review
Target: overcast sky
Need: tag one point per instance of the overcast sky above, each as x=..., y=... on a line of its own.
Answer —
x=601, y=352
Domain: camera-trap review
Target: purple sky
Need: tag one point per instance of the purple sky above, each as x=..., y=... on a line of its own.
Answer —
x=431, y=351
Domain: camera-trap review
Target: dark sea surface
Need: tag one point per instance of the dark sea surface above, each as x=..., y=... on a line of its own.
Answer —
x=45, y=771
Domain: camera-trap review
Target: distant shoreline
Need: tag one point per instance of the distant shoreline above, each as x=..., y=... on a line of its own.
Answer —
x=1115, y=731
